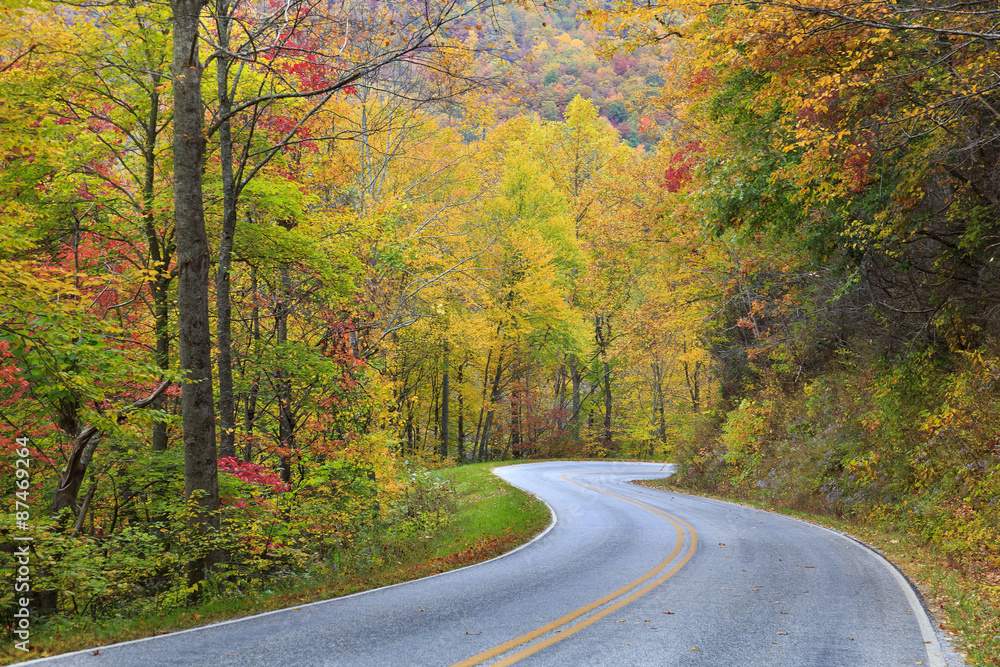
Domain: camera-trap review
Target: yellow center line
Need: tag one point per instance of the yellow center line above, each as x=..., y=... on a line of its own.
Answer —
x=573, y=629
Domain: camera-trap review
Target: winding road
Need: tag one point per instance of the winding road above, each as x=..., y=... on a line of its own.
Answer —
x=625, y=575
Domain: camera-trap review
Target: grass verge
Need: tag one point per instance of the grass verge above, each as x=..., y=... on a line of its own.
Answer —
x=966, y=608
x=491, y=518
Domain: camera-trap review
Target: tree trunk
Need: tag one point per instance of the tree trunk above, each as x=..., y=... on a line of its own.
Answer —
x=693, y=383
x=81, y=452
x=160, y=255
x=560, y=397
x=410, y=448
x=161, y=323
x=76, y=469
x=602, y=328
x=659, y=409
x=515, y=422
x=227, y=402
x=482, y=406
x=250, y=408
x=445, y=404
x=461, y=414
x=607, y=403
x=433, y=419
x=201, y=484
x=283, y=382
x=484, y=443
x=574, y=373
x=518, y=391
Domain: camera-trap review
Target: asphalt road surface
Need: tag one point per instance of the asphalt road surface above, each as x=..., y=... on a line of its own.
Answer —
x=626, y=575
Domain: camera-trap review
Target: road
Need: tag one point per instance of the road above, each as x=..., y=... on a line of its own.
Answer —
x=626, y=575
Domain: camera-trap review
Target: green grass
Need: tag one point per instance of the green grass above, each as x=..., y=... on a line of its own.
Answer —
x=966, y=608
x=491, y=511
x=489, y=518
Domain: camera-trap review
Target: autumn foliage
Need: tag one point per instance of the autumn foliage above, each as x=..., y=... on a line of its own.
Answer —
x=758, y=238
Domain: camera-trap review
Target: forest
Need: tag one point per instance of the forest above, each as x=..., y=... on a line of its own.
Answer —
x=263, y=264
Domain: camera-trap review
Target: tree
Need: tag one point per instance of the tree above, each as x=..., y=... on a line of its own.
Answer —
x=383, y=50
x=201, y=485
x=578, y=149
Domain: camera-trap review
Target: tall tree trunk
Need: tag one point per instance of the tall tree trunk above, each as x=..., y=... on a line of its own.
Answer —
x=602, y=329
x=607, y=403
x=201, y=485
x=433, y=418
x=410, y=447
x=484, y=444
x=461, y=413
x=476, y=449
x=227, y=401
x=516, y=396
x=161, y=323
x=659, y=410
x=445, y=403
x=286, y=417
x=574, y=373
x=515, y=423
x=160, y=255
x=250, y=406
x=560, y=397
x=693, y=383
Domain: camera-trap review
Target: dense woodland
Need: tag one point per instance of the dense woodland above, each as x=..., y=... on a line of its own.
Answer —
x=262, y=263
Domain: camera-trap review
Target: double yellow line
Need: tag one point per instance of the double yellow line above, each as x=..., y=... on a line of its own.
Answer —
x=683, y=528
